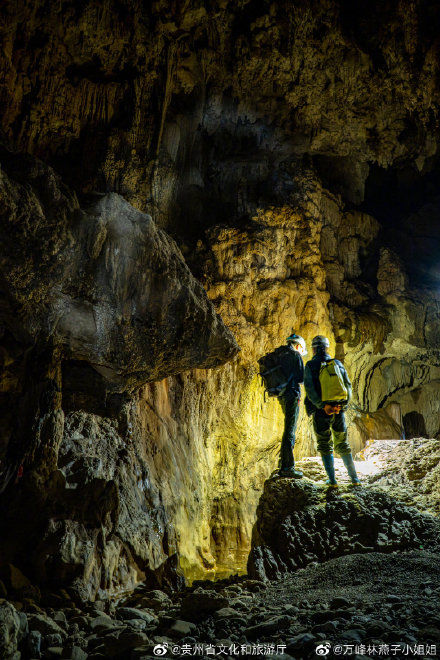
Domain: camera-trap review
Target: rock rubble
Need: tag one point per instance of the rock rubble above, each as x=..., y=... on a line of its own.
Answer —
x=375, y=599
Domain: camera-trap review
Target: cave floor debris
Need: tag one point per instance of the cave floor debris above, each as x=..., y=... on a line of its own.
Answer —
x=360, y=605
x=364, y=601
x=358, y=602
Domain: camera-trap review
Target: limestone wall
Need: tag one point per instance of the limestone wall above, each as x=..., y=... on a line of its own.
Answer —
x=289, y=152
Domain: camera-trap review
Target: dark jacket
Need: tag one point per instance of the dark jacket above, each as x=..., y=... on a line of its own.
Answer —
x=312, y=385
x=295, y=367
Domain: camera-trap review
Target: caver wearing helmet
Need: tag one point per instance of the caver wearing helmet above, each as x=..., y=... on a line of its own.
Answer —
x=323, y=375
x=282, y=372
x=298, y=343
x=289, y=401
x=320, y=342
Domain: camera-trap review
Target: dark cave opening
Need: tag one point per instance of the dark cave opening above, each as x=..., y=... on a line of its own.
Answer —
x=414, y=425
x=407, y=203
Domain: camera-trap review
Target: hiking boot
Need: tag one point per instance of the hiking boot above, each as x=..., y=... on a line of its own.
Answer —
x=329, y=466
x=290, y=472
x=331, y=484
x=349, y=464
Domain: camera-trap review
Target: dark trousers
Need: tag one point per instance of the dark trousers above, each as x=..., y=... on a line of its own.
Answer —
x=290, y=405
x=326, y=426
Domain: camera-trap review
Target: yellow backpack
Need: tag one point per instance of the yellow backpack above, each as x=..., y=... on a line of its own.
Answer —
x=332, y=383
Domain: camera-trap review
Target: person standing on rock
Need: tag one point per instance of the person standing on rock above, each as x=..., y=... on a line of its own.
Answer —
x=328, y=391
x=282, y=372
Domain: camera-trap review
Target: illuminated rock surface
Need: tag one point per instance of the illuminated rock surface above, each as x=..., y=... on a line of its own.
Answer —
x=408, y=470
x=102, y=302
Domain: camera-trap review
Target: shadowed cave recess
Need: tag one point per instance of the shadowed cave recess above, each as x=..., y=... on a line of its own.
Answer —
x=181, y=185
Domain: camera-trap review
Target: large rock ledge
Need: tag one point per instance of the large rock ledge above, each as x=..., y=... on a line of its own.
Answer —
x=104, y=283
x=299, y=523
x=94, y=302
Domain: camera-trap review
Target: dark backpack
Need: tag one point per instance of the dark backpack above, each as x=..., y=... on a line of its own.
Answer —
x=275, y=370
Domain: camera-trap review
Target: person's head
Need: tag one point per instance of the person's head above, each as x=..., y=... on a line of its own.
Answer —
x=320, y=344
x=298, y=343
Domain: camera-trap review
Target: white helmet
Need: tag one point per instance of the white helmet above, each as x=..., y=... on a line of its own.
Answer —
x=320, y=341
x=298, y=343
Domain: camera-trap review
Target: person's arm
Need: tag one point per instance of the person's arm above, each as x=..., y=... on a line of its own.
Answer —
x=300, y=370
x=310, y=388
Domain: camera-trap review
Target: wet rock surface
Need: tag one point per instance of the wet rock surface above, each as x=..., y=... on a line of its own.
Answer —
x=361, y=599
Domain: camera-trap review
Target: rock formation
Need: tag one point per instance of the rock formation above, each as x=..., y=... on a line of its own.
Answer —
x=299, y=523
x=105, y=284
x=97, y=302
x=288, y=153
x=336, y=603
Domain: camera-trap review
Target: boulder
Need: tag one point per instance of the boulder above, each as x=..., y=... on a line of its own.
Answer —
x=127, y=613
x=74, y=653
x=299, y=523
x=153, y=599
x=45, y=625
x=200, y=604
x=267, y=627
x=33, y=644
x=120, y=644
x=179, y=629
x=103, y=623
x=9, y=629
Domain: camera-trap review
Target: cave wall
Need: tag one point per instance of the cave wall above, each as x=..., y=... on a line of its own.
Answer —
x=95, y=302
x=278, y=144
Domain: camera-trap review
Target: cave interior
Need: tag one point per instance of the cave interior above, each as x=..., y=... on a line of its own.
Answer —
x=182, y=185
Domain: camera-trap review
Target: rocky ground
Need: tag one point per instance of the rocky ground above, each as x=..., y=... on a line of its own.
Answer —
x=355, y=604
x=367, y=595
x=366, y=579
x=408, y=470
